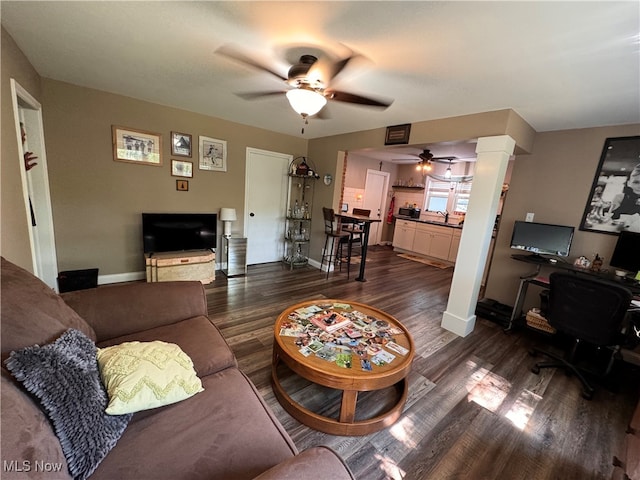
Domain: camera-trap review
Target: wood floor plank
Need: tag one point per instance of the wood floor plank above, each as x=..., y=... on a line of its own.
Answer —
x=474, y=409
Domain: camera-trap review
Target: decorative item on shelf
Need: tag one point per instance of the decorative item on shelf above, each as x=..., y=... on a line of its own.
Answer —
x=596, y=265
x=582, y=262
x=227, y=215
x=302, y=168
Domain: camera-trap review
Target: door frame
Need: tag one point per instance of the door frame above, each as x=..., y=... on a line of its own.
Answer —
x=283, y=191
x=377, y=238
x=35, y=185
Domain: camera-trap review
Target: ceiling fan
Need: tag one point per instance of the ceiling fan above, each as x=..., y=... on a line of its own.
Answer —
x=309, y=82
x=426, y=159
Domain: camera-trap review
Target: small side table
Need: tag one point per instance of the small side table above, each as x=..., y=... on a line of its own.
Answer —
x=234, y=256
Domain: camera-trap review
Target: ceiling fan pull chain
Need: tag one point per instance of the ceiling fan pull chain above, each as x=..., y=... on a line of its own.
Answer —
x=306, y=122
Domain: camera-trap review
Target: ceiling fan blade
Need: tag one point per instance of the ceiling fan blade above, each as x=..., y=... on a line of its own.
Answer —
x=358, y=99
x=326, y=70
x=257, y=95
x=239, y=56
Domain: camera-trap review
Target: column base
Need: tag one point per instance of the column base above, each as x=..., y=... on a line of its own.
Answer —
x=458, y=325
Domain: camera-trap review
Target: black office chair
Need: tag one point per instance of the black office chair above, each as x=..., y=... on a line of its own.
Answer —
x=334, y=252
x=355, y=229
x=589, y=310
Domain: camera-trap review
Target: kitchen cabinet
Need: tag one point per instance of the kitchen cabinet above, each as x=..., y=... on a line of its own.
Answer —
x=433, y=240
x=404, y=234
x=455, y=245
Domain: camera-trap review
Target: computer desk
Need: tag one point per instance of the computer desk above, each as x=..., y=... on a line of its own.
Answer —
x=534, y=278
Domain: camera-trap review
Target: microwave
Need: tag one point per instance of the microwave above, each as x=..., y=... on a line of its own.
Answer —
x=409, y=212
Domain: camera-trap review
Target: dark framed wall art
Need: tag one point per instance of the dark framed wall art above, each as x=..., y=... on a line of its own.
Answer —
x=613, y=205
x=180, y=144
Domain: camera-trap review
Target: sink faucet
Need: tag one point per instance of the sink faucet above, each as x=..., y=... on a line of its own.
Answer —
x=445, y=214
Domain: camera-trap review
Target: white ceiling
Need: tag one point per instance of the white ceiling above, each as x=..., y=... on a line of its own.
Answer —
x=560, y=65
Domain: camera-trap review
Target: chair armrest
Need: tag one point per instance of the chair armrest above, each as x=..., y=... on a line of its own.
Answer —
x=316, y=462
x=122, y=309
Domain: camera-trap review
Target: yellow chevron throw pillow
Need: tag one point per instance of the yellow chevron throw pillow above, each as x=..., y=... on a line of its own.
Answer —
x=144, y=375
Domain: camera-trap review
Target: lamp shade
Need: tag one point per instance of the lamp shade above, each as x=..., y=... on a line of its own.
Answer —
x=306, y=102
x=228, y=214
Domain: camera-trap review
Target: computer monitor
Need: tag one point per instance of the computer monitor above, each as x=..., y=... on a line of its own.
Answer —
x=626, y=255
x=542, y=238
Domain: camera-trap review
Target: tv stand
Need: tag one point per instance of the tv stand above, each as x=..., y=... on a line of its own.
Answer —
x=198, y=265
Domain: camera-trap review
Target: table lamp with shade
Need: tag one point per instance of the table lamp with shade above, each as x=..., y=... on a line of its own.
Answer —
x=227, y=215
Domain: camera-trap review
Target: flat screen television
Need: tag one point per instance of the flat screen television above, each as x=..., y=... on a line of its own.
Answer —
x=626, y=255
x=172, y=232
x=542, y=238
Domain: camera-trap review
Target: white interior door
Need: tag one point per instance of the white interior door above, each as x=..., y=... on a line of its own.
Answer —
x=265, y=205
x=35, y=185
x=375, y=193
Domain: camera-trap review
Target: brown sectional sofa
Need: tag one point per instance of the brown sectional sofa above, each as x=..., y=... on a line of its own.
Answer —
x=225, y=432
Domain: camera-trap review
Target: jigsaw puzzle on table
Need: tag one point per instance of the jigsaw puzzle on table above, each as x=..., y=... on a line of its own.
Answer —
x=336, y=333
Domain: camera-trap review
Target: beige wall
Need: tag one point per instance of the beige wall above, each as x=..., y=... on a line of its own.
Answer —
x=14, y=233
x=97, y=202
x=554, y=183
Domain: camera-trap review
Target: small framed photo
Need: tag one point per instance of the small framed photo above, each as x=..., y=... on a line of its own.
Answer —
x=182, y=185
x=180, y=144
x=136, y=146
x=397, y=134
x=180, y=168
x=213, y=154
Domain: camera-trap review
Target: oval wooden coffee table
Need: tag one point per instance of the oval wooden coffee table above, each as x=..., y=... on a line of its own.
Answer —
x=360, y=351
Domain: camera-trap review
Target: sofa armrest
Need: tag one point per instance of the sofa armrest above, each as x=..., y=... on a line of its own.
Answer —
x=316, y=462
x=122, y=309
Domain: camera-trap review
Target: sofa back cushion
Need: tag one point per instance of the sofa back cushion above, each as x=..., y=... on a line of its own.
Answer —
x=31, y=312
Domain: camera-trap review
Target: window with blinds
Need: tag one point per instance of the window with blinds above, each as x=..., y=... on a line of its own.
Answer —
x=451, y=197
x=437, y=196
x=461, y=198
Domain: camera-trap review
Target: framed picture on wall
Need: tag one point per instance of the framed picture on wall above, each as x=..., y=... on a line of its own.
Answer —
x=136, y=146
x=213, y=154
x=180, y=168
x=614, y=199
x=180, y=144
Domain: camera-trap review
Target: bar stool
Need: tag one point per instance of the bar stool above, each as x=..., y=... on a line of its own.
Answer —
x=355, y=229
x=334, y=253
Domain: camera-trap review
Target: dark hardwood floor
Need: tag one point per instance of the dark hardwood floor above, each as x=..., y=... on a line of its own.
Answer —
x=475, y=411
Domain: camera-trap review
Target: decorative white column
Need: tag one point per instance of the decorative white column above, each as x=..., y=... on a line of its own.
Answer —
x=488, y=177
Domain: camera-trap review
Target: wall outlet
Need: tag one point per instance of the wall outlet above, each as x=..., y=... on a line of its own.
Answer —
x=529, y=217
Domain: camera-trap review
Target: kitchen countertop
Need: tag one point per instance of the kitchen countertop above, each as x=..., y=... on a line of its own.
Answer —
x=429, y=222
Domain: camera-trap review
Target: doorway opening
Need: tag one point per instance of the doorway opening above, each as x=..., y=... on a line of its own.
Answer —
x=27, y=113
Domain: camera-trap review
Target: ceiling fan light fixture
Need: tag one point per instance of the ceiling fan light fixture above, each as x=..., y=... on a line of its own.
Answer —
x=447, y=173
x=306, y=102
